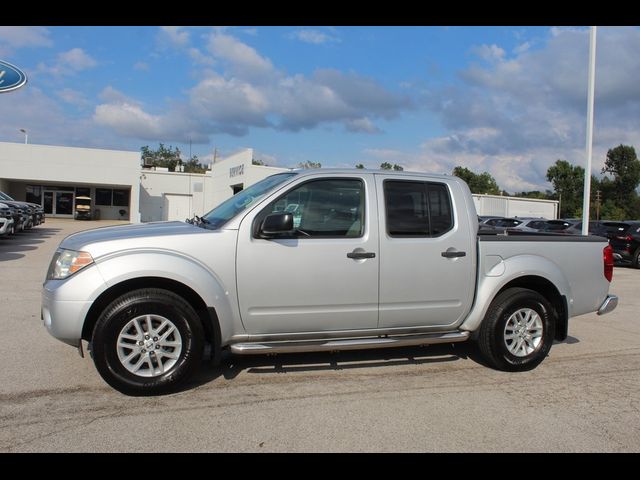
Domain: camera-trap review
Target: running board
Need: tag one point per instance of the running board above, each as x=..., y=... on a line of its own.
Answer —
x=330, y=345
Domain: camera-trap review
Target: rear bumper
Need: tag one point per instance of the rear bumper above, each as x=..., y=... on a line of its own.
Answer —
x=609, y=304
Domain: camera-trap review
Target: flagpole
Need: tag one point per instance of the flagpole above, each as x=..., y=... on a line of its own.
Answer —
x=587, y=170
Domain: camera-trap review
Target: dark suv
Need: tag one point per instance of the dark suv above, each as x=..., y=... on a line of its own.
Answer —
x=624, y=237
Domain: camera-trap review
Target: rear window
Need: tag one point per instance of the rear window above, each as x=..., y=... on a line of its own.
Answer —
x=417, y=209
x=617, y=228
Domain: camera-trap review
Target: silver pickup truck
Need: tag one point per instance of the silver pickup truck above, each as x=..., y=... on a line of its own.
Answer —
x=318, y=260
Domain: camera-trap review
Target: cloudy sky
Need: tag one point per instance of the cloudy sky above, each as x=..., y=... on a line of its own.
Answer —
x=507, y=100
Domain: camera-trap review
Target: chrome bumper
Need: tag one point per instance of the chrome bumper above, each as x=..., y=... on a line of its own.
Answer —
x=609, y=304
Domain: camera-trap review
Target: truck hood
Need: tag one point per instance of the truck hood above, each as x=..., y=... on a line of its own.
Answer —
x=103, y=240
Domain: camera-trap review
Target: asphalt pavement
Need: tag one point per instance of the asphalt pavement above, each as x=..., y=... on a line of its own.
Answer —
x=585, y=397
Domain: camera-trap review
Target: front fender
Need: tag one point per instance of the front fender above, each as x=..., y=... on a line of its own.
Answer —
x=496, y=273
x=215, y=291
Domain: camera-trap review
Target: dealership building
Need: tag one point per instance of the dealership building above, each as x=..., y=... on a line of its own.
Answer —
x=118, y=186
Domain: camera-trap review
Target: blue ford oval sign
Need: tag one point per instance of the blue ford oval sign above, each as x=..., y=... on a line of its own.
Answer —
x=11, y=78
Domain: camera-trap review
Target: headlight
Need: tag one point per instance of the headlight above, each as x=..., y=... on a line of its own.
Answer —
x=66, y=263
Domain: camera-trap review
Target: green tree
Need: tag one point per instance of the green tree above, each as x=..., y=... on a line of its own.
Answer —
x=194, y=166
x=388, y=166
x=309, y=164
x=623, y=164
x=166, y=157
x=360, y=166
x=611, y=211
x=568, y=185
x=546, y=195
x=483, y=183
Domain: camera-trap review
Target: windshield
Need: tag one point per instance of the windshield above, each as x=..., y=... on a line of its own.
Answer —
x=4, y=196
x=228, y=209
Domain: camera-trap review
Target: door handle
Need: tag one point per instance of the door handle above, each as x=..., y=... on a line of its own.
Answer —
x=453, y=254
x=361, y=255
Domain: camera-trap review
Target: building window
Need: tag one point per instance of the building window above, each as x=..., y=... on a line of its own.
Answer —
x=120, y=198
x=83, y=192
x=112, y=198
x=103, y=196
x=34, y=194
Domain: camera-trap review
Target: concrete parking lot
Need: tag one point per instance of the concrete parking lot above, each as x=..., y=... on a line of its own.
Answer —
x=584, y=398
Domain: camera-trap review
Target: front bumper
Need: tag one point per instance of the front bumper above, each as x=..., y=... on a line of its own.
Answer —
x=66, y=303
x=609, y=304
x=63, y=319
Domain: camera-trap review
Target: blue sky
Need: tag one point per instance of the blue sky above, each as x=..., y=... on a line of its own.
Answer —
x=507, y=100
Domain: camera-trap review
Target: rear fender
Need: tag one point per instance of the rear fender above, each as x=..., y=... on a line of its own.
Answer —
x=496, y=275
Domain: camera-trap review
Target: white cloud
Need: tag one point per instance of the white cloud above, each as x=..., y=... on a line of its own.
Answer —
x=46, y=121
x=514, y=117
x=361, y=125
x=175, y=36
x=77, y=59
x=523, y=47
x=69, y=62
x=111, y=95
x=73, y=97
x=129, y=120
x=200, y=58
x=251, y=92
x=315, y=37
x=244, y=60
x=489, y=53
x=12, y=38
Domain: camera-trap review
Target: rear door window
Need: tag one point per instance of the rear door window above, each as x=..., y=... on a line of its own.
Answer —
x=417, y=209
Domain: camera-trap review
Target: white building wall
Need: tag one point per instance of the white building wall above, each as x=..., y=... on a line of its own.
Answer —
x=46, y=164
x=237, y=169
x=157, y=185
x=515, y=206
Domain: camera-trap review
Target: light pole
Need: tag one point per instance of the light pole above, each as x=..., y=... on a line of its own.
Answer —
x=590, y=94
x=26, y=136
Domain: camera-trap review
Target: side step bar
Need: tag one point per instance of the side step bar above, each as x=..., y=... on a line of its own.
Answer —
x=347, y=344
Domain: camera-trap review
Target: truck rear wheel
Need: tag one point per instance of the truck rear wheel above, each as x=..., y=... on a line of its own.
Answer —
x=147, y=342
x=518, y=330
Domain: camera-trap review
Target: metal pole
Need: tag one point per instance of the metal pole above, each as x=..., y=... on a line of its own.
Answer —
x=587, y=171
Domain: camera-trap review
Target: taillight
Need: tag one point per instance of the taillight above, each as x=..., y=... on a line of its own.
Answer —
x=607, y=256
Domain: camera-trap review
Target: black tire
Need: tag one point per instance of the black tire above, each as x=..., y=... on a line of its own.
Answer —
x=497, y=346
x=184, y=332
x=636, y=259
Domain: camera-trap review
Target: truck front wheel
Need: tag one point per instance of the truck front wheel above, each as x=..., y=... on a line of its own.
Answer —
x=147, y=342
x=518, y=330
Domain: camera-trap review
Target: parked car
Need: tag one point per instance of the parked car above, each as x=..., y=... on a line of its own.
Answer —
x=32, y=212
x=375, y=259
x=596, y=227
x=485, y=228
x=6, y=220
x=624, y=238
x=559, y=226
x=531, y=224
x=18, y=215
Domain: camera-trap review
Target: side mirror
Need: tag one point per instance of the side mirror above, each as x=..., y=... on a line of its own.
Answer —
x=276, y=224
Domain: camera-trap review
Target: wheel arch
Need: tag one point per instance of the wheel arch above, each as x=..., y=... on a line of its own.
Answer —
x=208, y=315
x=549, y=291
